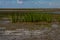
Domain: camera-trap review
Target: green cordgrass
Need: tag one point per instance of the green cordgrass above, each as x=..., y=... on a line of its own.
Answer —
x=29, y=16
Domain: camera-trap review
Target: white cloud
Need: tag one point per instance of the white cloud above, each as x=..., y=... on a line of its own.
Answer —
x=47, y=3
x=39, y=2
x=50, y=4
x=19, y=1
x=53, y=4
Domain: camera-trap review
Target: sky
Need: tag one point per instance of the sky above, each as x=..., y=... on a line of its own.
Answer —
x=29, y=3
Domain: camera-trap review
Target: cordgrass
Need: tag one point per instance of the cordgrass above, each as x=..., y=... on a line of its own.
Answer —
x=31, y=16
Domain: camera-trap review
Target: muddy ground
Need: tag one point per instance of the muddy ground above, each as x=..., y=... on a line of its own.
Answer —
x=32, y=31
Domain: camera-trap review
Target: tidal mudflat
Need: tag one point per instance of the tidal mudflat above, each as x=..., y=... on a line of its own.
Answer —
x=35, y=32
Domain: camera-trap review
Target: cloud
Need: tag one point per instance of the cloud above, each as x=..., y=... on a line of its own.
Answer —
x=19, y=1
x=50, y=4
x=47, y=3
x=53, y=4
x=39, y=2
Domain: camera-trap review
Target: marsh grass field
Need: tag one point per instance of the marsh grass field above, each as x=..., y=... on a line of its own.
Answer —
x=29, y=19
x=31, y=16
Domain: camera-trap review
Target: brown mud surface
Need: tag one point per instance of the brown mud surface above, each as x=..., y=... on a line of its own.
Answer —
x=28, y=25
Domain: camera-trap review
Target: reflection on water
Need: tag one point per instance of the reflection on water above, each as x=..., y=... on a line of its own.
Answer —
x=5, y=21
x=53, y=12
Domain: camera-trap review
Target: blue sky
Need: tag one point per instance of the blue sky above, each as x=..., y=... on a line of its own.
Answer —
x=29, y=3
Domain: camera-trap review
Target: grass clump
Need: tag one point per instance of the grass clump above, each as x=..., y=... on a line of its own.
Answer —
x=36, y=17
